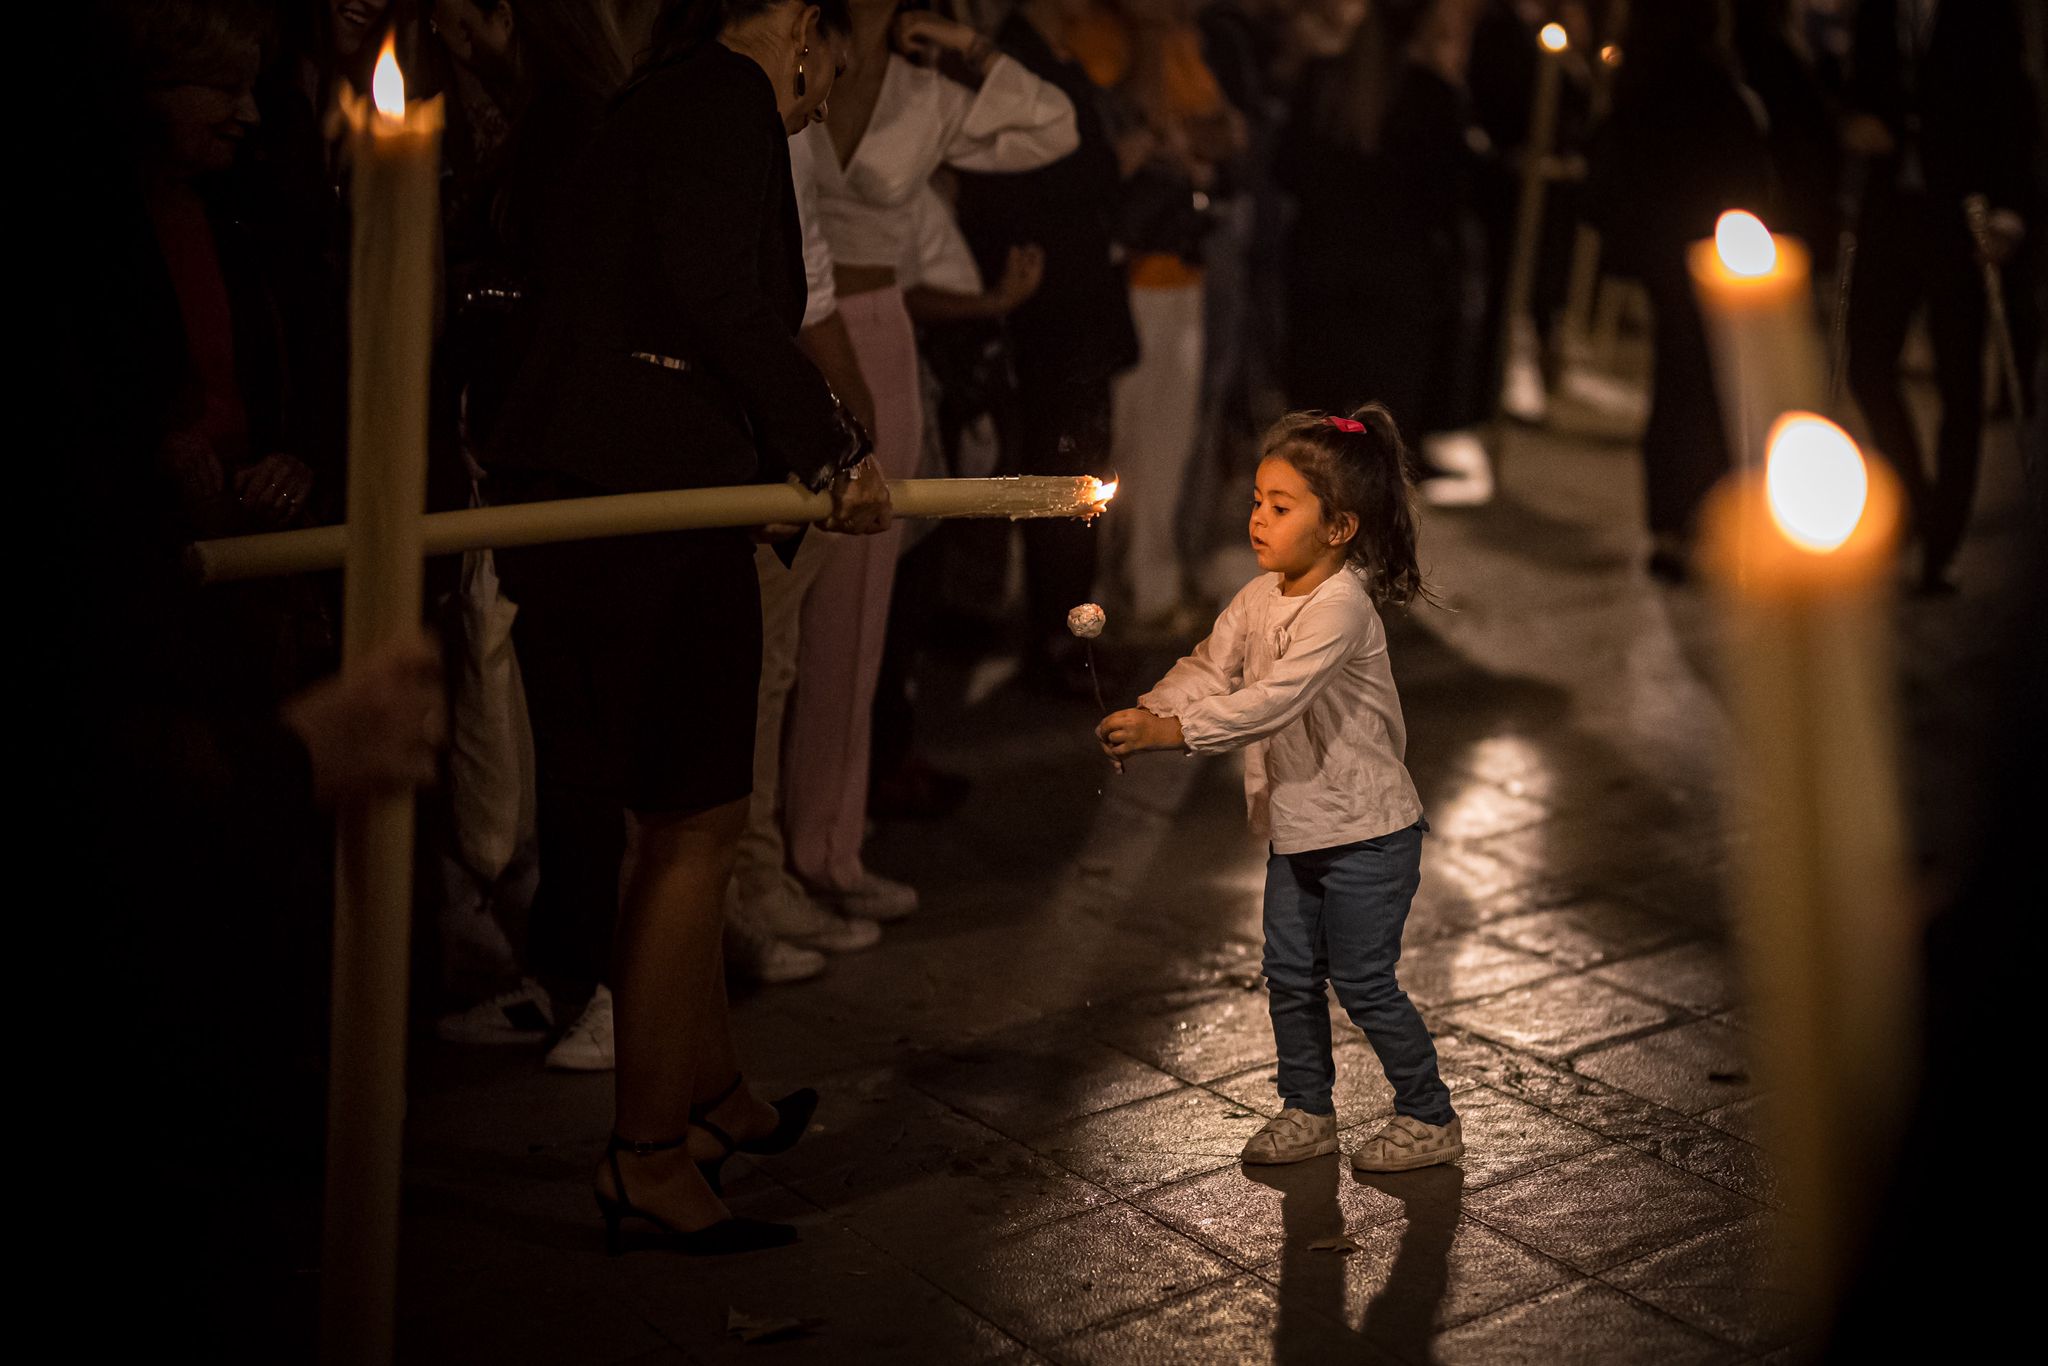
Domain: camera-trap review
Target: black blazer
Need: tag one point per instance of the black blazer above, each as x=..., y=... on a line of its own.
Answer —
x=685, y=244
x=1969, y=97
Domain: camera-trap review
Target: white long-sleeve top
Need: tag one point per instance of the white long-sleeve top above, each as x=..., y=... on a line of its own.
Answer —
x=1304, y=686
x=807, y=151
x=1014, y=122
x=936, y=254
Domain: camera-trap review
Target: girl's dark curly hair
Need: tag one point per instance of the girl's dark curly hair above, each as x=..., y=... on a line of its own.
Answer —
x=1364, y=472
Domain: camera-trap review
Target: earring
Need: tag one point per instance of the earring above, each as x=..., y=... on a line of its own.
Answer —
x=800, y=71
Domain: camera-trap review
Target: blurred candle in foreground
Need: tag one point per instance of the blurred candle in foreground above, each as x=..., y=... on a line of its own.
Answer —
x=1802, y=556
x=1756, y=300
x=394, y=170
x=1518, y=331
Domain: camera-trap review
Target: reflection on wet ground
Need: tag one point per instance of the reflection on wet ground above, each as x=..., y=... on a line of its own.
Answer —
x=1036, y=1090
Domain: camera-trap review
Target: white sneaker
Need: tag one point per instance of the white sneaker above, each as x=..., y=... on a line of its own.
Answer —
x=797, y=919
x=587, y=1047
x=522, y=1015
x=778, y=963
x=1467, y=478
x=1522, y=395
x=1291, y=1136
x=1608, y=396
x=1407, y=1143
x=872, y=898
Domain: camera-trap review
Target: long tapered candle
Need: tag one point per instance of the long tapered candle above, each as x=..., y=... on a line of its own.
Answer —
x=1528, y=239
x=394, y=151
x=628, y=514
x=1801, y=553
x=1755, y=297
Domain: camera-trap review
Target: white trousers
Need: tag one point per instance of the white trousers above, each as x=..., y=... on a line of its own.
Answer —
x=1156, y=406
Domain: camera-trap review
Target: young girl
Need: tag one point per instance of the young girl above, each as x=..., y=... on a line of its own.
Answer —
x=1296, y=673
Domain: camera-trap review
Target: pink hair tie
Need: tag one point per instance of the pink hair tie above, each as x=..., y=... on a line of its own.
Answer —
x=1345, y=424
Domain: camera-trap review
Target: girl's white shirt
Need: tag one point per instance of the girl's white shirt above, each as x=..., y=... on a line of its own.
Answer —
x=1303, y=685
x=922, y=120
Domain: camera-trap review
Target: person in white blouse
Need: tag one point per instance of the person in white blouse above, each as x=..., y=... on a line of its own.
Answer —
x=775, y=931
x=920, y=92
x=1296, y=674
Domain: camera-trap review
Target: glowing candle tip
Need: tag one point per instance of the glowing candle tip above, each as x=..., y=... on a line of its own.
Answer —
x=1744, y=244
x=387, y=83
x=1554, y=38
x=1815, y=481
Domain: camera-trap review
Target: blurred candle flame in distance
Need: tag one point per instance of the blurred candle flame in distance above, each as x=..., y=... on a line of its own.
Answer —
x=1815, y=481
x=1744, y=244
x=387, y=84
x=1554, y=38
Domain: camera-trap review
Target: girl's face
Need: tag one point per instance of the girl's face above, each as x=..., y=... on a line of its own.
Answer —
x=1289, y=532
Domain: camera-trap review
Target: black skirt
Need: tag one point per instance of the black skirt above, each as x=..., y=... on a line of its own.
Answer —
x=641, y=657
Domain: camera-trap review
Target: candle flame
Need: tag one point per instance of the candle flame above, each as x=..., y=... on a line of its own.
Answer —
x=387, y=83
x=1554, y=38
x=1815, y=481
x=1611, y=54
x=1745, y=244
x=1105, y=492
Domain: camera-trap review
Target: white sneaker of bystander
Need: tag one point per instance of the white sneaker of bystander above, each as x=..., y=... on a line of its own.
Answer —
x=1464, y=477
x=587, y=1047
x=873, y=897
x=794, y=916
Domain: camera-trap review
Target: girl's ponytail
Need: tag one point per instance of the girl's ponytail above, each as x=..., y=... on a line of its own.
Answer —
x=1391, y=544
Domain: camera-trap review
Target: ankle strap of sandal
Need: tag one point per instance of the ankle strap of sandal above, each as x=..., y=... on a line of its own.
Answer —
x=641, y=1147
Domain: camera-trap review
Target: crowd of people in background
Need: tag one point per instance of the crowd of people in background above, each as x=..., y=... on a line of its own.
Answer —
x=1048, y=237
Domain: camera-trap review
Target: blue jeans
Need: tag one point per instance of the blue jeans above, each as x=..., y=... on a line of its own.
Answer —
x=1334, y=916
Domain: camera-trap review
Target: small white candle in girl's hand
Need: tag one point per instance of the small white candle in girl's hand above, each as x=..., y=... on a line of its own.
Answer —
x=1087, y=621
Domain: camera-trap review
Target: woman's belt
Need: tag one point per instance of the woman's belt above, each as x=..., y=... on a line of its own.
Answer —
x=665, y=362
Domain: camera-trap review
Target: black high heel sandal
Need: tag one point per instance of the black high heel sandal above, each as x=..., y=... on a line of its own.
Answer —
x=792, y=1117
x=729, y=1235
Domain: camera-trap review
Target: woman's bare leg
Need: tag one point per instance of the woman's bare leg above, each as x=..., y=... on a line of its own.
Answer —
x=674, y=1040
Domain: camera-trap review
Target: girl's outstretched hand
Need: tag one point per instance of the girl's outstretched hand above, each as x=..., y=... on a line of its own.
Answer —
x=1134, y=730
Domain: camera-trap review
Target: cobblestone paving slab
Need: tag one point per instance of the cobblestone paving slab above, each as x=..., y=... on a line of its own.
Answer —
x=1585, y=1321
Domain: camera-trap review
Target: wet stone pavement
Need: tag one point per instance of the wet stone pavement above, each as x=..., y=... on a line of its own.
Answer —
x=1034, y=1092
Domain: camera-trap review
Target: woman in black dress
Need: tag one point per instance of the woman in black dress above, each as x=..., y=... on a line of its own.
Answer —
x=665, y=356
